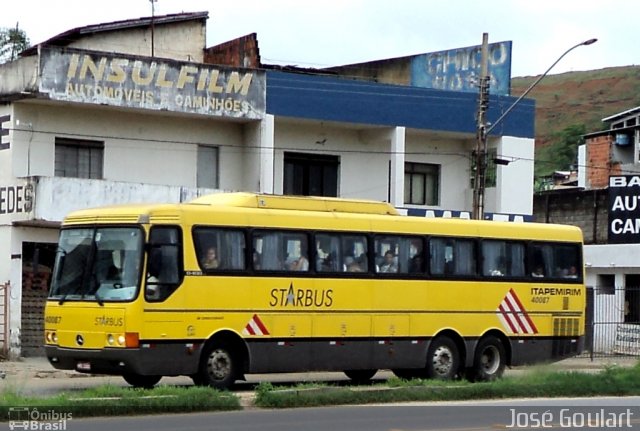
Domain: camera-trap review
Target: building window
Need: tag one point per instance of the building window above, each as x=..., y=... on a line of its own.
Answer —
x=606, y=284
x=78, y=158
x=310, y=174
x=421, y=184
x=207, y=169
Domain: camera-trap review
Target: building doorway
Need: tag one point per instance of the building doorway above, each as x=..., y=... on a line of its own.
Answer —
x=37, y=264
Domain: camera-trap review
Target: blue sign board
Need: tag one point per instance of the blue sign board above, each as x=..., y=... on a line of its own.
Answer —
x=459, y=69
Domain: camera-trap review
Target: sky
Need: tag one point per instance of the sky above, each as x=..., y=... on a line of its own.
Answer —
x=327, y=33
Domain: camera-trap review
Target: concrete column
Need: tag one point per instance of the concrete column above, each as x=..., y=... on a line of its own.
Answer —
x=266, y=147
x=396, y=186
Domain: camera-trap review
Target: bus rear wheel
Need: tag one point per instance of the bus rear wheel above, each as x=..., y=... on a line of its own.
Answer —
x=490, y=359
x=443, y=359
x=218, y=367
x=140, y=381
x=360, y=376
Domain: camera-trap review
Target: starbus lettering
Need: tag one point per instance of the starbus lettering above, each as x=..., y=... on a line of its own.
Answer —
x=301, y=297
x=108, y=321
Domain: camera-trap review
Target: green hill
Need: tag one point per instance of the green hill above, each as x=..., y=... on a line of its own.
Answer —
x=571, y=99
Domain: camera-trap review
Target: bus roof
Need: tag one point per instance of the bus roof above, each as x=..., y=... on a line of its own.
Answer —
x=298, y=203
x=318, y=213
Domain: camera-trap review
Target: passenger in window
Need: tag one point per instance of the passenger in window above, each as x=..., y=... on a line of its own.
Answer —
x=500, y=269
x=300, y=264
x=538, y=272
x=211, y=259
x=416, y=265
x=389, y=263
x=354, y=267
x=256, y=259
x=572, y=272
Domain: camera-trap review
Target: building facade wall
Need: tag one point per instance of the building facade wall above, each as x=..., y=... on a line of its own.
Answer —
x=140, y=147
x=184, y=41
x=586, y=209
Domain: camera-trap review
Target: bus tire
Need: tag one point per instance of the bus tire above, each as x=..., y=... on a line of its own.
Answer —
x=360, y=376
x=443, y=359
x=218, y=367
x=489, y=360
x=140, y=381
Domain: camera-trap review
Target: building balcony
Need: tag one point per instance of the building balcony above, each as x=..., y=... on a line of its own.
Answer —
x=45, y=201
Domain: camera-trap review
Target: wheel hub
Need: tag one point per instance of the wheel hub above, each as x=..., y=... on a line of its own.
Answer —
x=219, y=364
x=442, y=361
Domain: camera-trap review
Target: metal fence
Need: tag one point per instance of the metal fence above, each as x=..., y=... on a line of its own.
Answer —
x=613, y=321
x=4, y=320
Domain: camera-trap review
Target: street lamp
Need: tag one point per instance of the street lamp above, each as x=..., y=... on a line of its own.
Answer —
x=483, y=131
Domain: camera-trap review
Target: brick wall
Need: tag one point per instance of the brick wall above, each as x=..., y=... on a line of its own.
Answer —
x=599, y=165
x=240, y=52
x=586, y=209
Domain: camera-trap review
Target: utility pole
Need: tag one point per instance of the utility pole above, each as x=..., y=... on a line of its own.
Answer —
x=153, y=14
x=480, y=154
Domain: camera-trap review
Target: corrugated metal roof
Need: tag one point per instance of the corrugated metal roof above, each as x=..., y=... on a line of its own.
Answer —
x=622, y=114
x=64, y=39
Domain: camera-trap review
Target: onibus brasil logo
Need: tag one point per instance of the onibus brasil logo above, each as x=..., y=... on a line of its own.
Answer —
x=32, y=419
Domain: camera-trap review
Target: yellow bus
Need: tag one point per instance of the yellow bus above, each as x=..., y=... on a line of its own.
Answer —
x=236, y=283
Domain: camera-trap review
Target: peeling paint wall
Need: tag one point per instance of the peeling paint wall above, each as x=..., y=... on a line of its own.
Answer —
x=184, y=41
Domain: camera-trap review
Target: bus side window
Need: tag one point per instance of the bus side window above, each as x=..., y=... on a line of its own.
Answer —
x=164, y=263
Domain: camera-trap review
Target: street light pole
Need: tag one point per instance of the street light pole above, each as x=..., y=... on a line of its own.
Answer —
x=483, y=131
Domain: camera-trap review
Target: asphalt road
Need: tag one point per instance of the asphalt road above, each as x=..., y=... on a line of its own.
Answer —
x=588, y=413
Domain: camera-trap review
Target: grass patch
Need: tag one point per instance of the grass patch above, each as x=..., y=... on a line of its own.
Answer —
x=113, y=400
x=613, y=381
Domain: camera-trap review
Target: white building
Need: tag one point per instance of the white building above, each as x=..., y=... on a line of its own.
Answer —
x=93, y=117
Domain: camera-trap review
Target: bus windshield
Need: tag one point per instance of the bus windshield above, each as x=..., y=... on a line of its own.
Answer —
x=97, y=264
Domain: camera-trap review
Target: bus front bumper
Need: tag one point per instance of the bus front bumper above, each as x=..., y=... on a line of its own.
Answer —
x=164, y=360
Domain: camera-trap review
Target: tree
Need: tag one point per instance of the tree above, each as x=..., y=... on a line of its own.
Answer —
x=561, y=154
x=12, y=42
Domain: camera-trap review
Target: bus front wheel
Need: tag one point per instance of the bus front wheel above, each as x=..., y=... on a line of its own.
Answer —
x=218, y=367
x=360, y=376
x=443, y=359
x=140, y=381
x=490, y=359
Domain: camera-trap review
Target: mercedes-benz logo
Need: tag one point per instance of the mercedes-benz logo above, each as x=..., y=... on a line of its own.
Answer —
x=79, y=340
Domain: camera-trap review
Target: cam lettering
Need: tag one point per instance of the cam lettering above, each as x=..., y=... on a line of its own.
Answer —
x=625, y=226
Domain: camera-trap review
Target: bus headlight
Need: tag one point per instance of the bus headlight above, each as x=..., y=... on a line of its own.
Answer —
x=110, y=339
x=121, y=340
x=51, y=337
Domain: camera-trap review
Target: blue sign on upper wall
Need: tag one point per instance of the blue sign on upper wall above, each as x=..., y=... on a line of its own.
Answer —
x=458, y=69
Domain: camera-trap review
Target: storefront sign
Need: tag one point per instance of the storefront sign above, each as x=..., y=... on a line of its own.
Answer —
x=149, y=83
x=16, y=202
x=459, y=69
x=627, y=339
x=4, y=131
x=624, y=209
